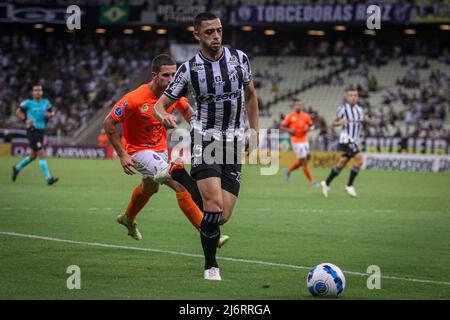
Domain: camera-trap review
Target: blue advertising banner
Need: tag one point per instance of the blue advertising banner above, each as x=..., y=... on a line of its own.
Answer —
x=299, y=14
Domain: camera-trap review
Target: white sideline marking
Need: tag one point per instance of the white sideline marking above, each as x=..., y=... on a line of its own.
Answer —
x=267, y=263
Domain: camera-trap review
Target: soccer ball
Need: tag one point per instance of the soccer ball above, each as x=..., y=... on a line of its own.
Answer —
x=326, y=280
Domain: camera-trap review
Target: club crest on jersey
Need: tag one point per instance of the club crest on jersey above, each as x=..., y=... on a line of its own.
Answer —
x=118, y=111
x=233, y=75
x=197, y=66
x=144, y=107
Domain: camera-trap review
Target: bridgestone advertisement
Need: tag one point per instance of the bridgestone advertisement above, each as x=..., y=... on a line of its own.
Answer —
x=407, y=162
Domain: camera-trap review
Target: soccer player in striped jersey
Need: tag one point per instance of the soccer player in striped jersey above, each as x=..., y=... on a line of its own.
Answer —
x=225, y=96
x=145, y=147
x=351, y=117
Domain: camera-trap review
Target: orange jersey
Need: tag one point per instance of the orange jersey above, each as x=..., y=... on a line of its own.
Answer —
x=301, y=123
x=141, y=130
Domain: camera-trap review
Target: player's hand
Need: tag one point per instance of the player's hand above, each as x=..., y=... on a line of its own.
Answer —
x=127, y=163
x=343, y=122
x=251, y=142
x=168, y=121
x=293, y=131
x=29, y=122
x=49, y=114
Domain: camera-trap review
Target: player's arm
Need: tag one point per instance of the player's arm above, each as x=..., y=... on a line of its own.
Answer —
x=160, y=113
x=187, y=113
x=339, y=122
x=252, y=110
x=251, y=106
x=20, y=112
x=110, y=126
x=50, y=113
x=286, y=128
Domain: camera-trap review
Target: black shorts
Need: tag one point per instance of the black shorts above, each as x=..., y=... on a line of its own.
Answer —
x=36, y=139
x=217, y=159
x=349, y=150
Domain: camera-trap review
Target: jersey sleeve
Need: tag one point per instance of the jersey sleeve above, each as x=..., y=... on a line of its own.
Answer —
x=247, y=71
x=340, y=112
x=48, y=106
x=122, y=109
x=287, y=121
x=178, y=86
x=24, y=105
x=309, y=120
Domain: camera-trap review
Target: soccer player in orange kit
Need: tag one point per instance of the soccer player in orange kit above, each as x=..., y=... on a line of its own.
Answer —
x=146, y=144
x=297, y=124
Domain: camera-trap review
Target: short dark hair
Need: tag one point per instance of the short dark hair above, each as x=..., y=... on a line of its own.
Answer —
x=203, y=16
x=351, y=89
x=162, y=60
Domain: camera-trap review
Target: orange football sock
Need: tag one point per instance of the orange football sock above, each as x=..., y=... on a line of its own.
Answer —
x=189, y=208
x=294, y=166
x=137, y=202
x=307, y=173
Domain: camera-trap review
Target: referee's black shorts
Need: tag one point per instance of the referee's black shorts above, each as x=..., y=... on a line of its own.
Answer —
x=349, y=150
x=35, y=138
x=220, y=159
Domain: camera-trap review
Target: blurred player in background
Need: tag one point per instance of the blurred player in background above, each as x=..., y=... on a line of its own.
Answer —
x=297, y=124
x=222, y=82
x=146, y=143
x=351, y=117
x=35, y=113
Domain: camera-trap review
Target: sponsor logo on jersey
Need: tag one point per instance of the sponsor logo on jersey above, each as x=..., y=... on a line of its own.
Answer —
x=118, y=111
x=209, y=97
x=196, y=67
x=144, y=107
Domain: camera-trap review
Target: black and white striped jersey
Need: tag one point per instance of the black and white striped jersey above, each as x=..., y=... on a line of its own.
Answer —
x=351, y=132
x=218, y=87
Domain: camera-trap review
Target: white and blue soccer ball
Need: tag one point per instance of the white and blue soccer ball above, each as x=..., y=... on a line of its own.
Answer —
x=326, y=280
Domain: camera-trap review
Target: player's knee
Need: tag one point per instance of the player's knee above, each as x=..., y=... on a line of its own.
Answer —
x=41, y=154
x=224, y=219
x=358, y=162
x=150, y=189
x=175, y=186
x=212, y=204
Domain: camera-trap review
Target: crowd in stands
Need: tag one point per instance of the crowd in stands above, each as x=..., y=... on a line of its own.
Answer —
x=417, y=107
x=78, y=76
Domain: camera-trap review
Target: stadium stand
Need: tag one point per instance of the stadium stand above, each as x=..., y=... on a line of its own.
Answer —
x=79, y=77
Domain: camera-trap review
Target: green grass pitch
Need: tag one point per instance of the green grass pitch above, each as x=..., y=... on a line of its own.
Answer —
x=400, y=222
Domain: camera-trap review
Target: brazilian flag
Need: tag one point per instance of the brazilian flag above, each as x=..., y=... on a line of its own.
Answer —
x=111, y=14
